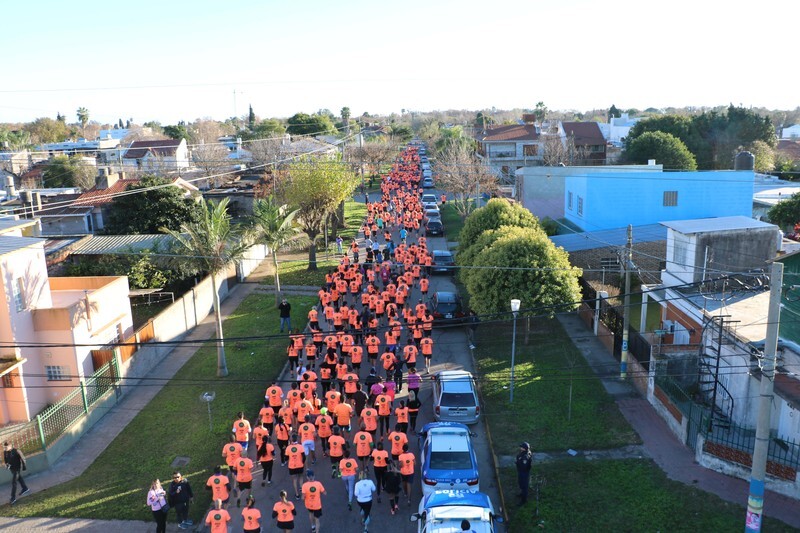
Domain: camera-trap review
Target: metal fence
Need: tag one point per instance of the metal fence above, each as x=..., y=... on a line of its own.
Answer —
x=38, y=434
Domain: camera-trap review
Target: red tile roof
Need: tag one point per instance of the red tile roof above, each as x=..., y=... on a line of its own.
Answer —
x=789, y=148
x=97, y=197
x=584, y=133
x=139, y=149
x=514, y=132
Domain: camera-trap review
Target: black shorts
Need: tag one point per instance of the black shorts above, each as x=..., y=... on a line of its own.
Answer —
x=295, y=471
x=408, y=478
x=256, y=530
x=286, y=525
x=343, y=428
x=243, y=485
x=316, y=512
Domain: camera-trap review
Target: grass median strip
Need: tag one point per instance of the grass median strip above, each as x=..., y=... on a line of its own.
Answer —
x=175, y=423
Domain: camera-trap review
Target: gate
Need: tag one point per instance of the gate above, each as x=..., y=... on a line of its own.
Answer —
x=696, y=423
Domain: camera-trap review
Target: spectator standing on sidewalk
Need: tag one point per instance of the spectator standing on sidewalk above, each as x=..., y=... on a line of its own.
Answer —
x=285, y=309
x=157, y=501
x=524, y=460
x=180, y=495
x=15, y=462
x=472, y=326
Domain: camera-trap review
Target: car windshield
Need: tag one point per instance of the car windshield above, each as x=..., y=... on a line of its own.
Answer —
x=458, y=399
x=450, y=461
x=446, y=307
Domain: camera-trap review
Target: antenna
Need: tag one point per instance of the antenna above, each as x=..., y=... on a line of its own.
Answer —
x=208, y=397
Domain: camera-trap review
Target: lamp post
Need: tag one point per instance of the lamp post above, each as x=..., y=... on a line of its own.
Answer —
x=514, y=310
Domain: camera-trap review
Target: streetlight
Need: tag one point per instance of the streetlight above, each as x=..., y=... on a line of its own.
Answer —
x=514, y=309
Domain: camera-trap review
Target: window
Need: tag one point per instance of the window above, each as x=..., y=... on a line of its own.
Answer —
x=680, y=250
x=530, y=149
x=670, y=198
x=580, y=206
x=8, y=380
x=569, y=201
x=57, y=373
x=19, y=294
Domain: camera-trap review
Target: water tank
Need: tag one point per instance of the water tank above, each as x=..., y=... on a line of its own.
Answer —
x=37, y=200
x=744, y=161
x=27, y=197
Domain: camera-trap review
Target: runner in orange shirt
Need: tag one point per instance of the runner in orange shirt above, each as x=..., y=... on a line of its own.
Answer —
x=401, y=416
x=296, y=459
x=267, y=415
x=265, y=454
x=308, y=435
x=350, y=381
x=348, y=468
x=219, y=485
x=343, y=412
x=363, y=444
x=284, y=512
x=426, y=345
x=423, y=286
x=312, y=498
x=244, y=477
x=231, y=452
x=241, y=430
x=407, y=464
x=260, y=433
x=251, y=517
x=380, y=462
x=397, y=439
x=337, y=445
x=218, y=518
x=324, y=425
x=369, y=419
x=384, y=406
x=274, y=396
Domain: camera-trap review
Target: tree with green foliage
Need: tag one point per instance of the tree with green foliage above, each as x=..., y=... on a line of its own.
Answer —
x=177, y=131
x=266, y=129
x=47, y=130
x=210, y=244
x=159, y=204
x=64, y=171
x=83, y=118
x=17, y=140
x=317, y=187
x=497, y=212
x=450, y=136
x=401, y=132
x=523, y=263
x=304, y=124
x=540, y=111
x=613, y=112
x=140, y=266
x=483, y=120
x=786, y=213
x=764, y=156
x=665, y=148
x=275, y=226
x=251, y=119
x=345, y=114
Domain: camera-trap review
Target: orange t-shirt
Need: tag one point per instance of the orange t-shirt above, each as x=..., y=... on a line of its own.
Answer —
x=363, y=443
x=220, y=487
x=267, y=414
x=242, y=430
x=231, y=452
x=244, y=469
x=343, y=413
x=295, y=454
x=384, y=405
x=251, y=518
x=217, y=520
x=350, y=382
x=370, y=418
x=307, y=431
x=260, y=433
x=380, y=458
x=402, y=415
x=397, y=439
x=312, y=495
x=269, y=453
x=336, y=445
x=348, y=467
x=274, y=395
x=324, y=424
x=407, y=462
x=284, y=511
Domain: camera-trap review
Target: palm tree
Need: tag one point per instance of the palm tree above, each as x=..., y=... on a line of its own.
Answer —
x=83, y=118
x=275, y=227
x=210, y=244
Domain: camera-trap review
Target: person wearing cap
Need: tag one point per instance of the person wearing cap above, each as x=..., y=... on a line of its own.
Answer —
x=312, y=498
x=180, y=495
x=523, y=463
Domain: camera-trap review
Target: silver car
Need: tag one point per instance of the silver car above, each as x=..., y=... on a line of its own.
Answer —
x=454, y=397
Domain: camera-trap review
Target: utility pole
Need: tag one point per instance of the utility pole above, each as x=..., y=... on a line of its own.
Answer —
x=626, y=311
x=755, y=501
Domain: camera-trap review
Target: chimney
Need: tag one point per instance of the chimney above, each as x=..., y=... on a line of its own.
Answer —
x=105, y=179
x=11, y=190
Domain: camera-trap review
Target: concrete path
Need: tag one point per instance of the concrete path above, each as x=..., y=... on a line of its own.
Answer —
x=658, y=442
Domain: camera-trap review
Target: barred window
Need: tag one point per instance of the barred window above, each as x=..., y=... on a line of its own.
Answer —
x=670, y=198
x=57, y=373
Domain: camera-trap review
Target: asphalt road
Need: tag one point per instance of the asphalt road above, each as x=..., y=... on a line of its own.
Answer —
x=451, y=352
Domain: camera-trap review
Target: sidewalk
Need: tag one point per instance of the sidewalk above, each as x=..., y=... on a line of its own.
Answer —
x=73, y=463
x=659, y=443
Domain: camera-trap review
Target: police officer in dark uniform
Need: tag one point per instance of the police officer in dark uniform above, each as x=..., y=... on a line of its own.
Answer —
x=524, y=461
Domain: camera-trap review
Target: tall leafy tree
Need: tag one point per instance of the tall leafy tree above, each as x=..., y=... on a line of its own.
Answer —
x=177, y=131
x=664, y=148
x=83, y=118
x=47, y=130
x=158, y=204
x=275, y=226
x=251, y=119
x=786, y=213
x=317, y=187
x=304, y=124
x=345, y=113
x=64, y=171
x=209, y=245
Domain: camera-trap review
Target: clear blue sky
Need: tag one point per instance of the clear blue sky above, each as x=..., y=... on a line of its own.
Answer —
x=175, y=59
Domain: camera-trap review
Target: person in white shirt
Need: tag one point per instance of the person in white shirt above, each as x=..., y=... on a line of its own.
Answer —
x=156, y=499
x=364, y=490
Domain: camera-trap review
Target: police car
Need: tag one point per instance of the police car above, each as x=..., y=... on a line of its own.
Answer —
x=444, y=510
x=447, y=458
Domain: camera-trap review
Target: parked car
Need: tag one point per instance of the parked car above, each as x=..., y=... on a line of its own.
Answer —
x=447, y=459
x=454, y=397
x=443, y=262
x=443, y=511
x=427, y=182
x=431, y=214
x=430, y=205
x=428, y=198
x=446, y=308
x=434, y=227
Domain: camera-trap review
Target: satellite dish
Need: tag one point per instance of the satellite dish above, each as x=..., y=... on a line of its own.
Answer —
x=208, y=396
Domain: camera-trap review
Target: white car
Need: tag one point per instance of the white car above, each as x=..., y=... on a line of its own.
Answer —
x=444, y=510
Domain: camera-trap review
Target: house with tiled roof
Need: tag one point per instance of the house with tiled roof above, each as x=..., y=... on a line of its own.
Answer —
x=164, y=155
x=507, y=148
x=585, y=143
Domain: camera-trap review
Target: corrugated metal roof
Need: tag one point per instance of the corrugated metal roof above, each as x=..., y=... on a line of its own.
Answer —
x=9, y=224
x=103, y=244
x=12, y=244
x=589, y=240
x=703, y=225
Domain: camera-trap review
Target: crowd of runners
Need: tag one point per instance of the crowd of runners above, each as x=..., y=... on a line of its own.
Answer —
x=353, y=397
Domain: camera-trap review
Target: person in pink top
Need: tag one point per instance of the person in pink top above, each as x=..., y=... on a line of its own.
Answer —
x=390, y=389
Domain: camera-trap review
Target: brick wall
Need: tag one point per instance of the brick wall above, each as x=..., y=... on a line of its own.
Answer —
x=664, y=399
x=746, y=459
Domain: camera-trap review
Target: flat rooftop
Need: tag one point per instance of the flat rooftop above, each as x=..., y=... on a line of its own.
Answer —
x=707, y=225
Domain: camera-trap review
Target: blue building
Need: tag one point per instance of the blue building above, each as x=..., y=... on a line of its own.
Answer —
x=615, y=199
